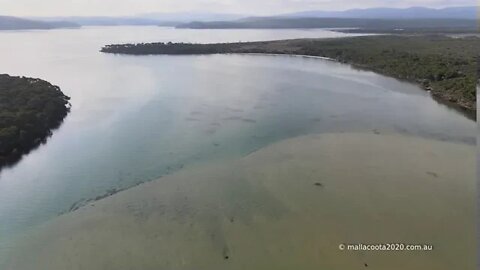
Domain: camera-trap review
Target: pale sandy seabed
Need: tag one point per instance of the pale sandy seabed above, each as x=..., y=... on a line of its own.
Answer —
x=264, y=211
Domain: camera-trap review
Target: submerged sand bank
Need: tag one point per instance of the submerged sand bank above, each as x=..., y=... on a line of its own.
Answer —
x=287, y=206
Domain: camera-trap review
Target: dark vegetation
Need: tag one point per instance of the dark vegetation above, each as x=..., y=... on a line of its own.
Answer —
x=364, y=25
x=29, y=110
x=445, y=66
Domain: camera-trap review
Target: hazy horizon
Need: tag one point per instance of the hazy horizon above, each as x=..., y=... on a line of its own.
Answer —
x=61, y=8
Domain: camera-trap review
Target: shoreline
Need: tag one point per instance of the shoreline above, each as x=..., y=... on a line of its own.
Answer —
x=443, y=65
x=465, y=109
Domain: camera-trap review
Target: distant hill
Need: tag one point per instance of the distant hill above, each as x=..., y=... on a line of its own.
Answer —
x=15, y=23
x=191, y=16
x=109, y=21
x=367, y=25
x=469, y=12
x=304, y=19
x=160, y=19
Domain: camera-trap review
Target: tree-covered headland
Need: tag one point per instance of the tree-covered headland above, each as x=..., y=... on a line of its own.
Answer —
x=444, y=65
x=29, y=110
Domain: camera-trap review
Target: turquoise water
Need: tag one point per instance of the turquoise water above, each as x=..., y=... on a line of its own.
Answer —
x=135, y=118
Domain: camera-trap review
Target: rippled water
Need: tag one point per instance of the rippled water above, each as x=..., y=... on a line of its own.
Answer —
x=136, y=118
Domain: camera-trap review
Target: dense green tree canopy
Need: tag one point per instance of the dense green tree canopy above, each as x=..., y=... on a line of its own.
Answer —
x=29, y=110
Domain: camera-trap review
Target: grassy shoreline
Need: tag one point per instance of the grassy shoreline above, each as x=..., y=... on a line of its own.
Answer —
x=445, y=66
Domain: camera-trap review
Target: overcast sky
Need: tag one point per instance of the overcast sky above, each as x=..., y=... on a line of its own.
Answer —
x=250, y=7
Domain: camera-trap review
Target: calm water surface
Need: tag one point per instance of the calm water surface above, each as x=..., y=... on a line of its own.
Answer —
x=135, y=119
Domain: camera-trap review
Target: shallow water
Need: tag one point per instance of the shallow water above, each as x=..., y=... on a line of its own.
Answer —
x=135, y=119
x=288, y=206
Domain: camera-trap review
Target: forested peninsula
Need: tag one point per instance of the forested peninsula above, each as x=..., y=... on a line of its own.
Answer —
x=445, y=66
x=29, y=110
